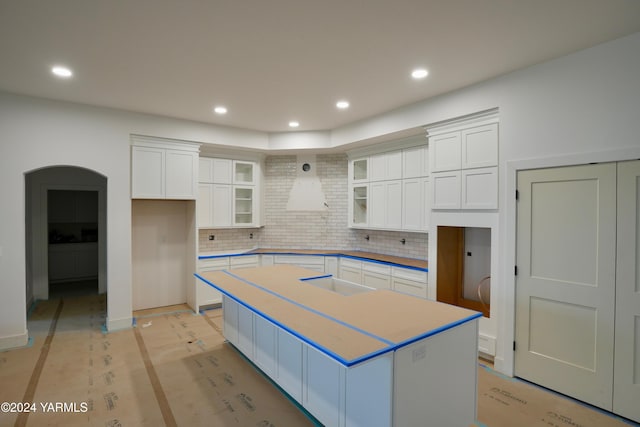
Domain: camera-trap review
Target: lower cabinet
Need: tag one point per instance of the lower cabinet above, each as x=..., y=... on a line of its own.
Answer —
x=433, y=378
x=73, y=261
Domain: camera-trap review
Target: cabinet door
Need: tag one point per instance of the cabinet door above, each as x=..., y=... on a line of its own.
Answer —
x=243, y=172
x=265, y=348
x=222, y=171
x=205, y=170
x=378, y=167
x=377, y=203
x=245, y=332
x=86, y=260
x=359, y=170
x=289, y=364
x=445, y=190
x=414, y=162
x=480, y=188
x=394, y=205
x=243, y=205
x=323, y=387
x=230, y=318
x=394, y=165
x=60, y=206
x=181, y=175
x=221, y=207
x=412, y=204
x=204, y=204
x=480, y=146
x=359, y=210
x=62, y=264
x=147, y=173
x=376, y=280
x=445, y=152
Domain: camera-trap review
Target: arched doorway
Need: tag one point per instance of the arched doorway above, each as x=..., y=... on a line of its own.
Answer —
x=65, y=215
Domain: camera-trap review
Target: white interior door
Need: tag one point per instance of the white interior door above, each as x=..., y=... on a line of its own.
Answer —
x=626, y=392
x=565, y=287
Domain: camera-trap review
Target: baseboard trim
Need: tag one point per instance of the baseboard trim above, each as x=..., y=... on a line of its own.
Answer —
x=14, y=341
x=118, y=324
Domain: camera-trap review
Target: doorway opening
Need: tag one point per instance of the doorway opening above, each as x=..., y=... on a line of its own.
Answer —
x=464, y=267
x=65, y=215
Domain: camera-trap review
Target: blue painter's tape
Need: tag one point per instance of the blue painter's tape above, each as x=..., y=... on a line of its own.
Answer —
x=134, y=322
x=325, y=276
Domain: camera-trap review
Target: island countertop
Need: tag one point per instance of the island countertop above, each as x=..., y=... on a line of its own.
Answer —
x=350, y=329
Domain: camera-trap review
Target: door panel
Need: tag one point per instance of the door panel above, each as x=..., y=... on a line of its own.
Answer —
x=626, y=394
x=565, y=288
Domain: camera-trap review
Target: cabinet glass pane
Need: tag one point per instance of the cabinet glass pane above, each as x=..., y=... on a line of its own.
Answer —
x=243, y=205
x=359, y=205
x=360, y=169
x=243, y=172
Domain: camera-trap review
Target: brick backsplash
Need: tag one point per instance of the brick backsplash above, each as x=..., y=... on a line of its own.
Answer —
x=326, y=229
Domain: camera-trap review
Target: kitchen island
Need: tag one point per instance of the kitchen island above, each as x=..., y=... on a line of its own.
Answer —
x=371, y=358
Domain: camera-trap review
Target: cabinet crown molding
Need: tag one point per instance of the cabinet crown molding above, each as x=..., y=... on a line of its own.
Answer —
x=158, y=142
x=464, y=122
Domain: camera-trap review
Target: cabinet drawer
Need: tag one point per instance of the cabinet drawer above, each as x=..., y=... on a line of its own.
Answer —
x=375, y=280
x=409, y=274
x=376, y=268
x=209, y=264
x=352, y=263
x=305, y=260
x=244, y=261
x=410, y=287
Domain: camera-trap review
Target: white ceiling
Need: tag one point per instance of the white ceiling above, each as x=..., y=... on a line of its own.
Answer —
x=272, y=61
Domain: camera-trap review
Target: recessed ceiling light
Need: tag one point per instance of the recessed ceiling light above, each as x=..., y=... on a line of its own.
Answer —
x=342, y=104
x=419, y=73
x=220, y=110
x=293, y=124
x=61, y=71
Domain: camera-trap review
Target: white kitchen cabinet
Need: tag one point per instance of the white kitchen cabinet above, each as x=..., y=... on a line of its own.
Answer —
x=415, y=162
x=446, y=188
x=289, y=364
x=350, y=270
x=245, y=332
x=409, y=281
x=323, y=386
x=230, y=319
x=479, y=188
x=358, y=170
x=204, y=205
x=244, y=205
x=232, y=198
x=265, y=345
x=385, y=166
x=243, y=172
x=244, y=261
x=212, y=170
x=385, y=201
x=479, y=146
x=359, y=212
x=445, y=152
x=376, y=275
x=463, y=160
x=310, y=262
x=415, y=204
x=163, y=170
x=72, y=206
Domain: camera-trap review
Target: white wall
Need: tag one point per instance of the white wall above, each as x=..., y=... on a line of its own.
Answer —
x=36, y=133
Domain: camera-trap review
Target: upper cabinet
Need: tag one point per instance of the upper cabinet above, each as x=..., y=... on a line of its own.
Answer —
x=388, y=189
x=162, y=169
x=229, y=193
x=463, y=158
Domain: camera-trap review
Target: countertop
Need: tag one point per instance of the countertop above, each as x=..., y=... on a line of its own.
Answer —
x=387, y=259
x=351, y=329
